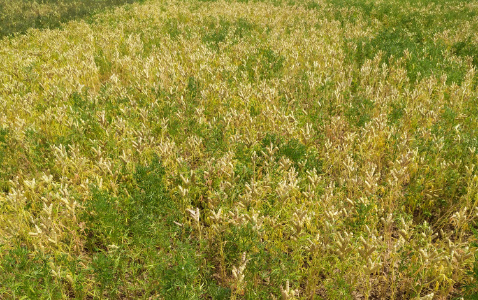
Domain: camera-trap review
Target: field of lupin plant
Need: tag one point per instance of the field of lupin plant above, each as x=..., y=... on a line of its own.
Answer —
x=269, y=149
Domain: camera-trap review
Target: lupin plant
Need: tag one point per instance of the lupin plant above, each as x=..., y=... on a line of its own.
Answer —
x=230, y=149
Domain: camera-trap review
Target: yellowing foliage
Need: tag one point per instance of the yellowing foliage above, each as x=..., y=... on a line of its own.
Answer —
x=190, y=149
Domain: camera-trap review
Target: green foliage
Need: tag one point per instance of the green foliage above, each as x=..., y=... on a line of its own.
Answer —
x=19, y=16
x=105, y=268
x=313, y=5
x=216, y=32
x=112, y=220
x=144, y=237
x=40, y=150
x=28, y=274
x=413, y=32
x=172, y=28
x=103, y=64
x=360, y=112
x=294, y=150
x=426, y=57
x=467, y=48
x=193, y=88
x=262, y=65
x=397, y=112
x=244, y=28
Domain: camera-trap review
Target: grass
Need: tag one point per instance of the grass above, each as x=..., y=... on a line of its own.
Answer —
x=238, y=149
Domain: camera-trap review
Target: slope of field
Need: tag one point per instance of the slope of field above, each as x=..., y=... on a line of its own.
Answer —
x=243, y=150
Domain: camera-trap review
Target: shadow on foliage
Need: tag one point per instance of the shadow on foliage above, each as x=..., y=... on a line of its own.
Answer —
x=17, y=16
